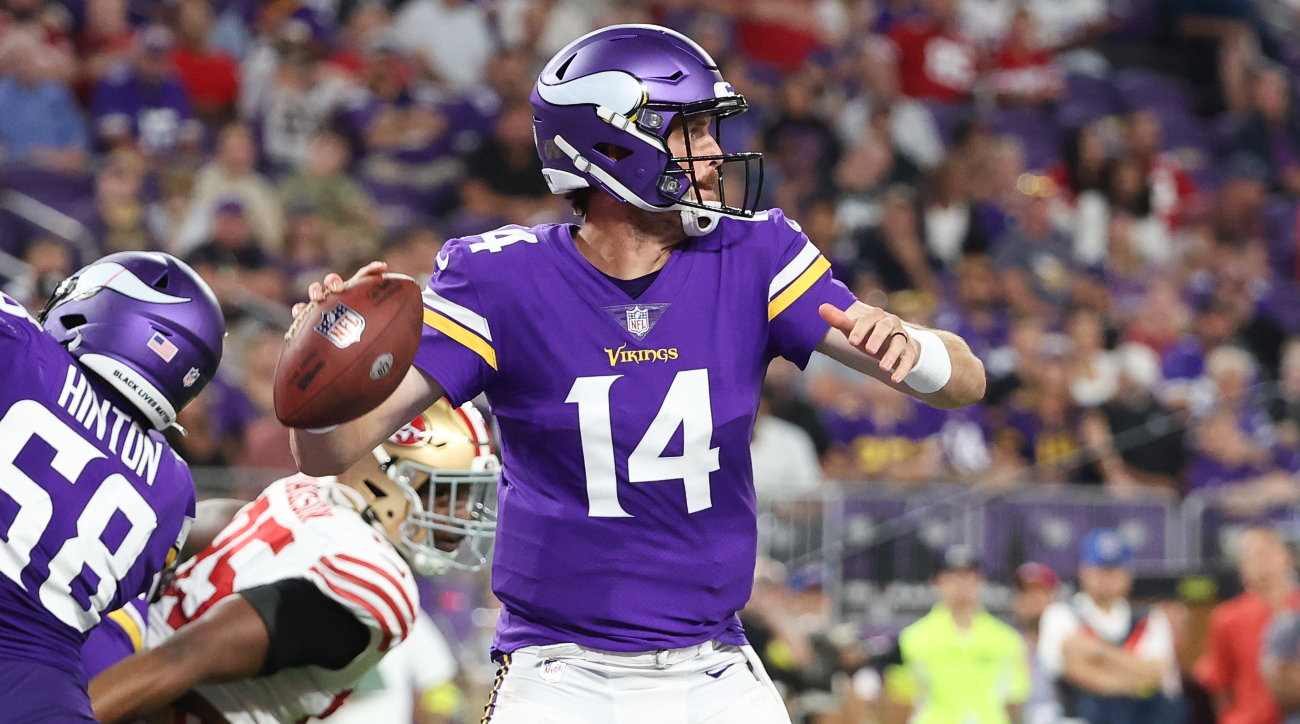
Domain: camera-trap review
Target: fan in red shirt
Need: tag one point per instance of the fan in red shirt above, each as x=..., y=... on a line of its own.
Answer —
x=1229, y=668
x=780, y=34
x=1174, y=195
x=935, y=60
x=1024, y=72
x=211, y=79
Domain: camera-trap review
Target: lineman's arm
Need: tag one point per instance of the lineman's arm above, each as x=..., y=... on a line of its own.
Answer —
x=333, y=452
x=228, y=643
x=256, y=632
x=862, y=338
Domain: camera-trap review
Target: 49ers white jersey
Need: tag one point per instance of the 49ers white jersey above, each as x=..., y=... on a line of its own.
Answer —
x=299, y=527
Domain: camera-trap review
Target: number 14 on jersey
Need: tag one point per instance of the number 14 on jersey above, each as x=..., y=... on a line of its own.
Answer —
x=686, y=405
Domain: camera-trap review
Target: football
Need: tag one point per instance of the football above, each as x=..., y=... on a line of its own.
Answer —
x=346, y=354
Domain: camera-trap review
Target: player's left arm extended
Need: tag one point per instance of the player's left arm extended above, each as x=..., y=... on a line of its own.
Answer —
x=874, y=342
x=228, y=643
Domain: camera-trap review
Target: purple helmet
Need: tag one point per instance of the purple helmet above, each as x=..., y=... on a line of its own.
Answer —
x=146, y=323
x=602, y=108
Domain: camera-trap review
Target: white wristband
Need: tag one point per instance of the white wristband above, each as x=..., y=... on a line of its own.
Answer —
x=933, y=368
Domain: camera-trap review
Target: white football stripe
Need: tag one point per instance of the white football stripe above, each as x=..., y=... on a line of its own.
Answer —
x=391, y=623
x=613, y=89
x=467, y=318
x=400, y=597
x=797, y=266
x=111, y=275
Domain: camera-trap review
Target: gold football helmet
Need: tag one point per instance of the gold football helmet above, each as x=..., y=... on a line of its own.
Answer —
x=437, y=502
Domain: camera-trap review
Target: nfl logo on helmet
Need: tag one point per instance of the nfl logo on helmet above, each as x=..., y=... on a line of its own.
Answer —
x=342, y=326
x=638, y=321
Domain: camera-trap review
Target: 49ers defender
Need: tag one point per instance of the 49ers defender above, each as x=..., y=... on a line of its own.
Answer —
x=241, y=623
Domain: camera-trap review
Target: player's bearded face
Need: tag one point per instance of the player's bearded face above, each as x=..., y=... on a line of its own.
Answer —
x=700, y=143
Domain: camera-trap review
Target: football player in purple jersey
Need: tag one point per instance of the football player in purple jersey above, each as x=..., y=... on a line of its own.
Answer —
x=623, y=360
x=93, y=502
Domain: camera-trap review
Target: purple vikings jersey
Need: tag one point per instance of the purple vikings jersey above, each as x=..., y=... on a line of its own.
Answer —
x=626, y=511
x=93, y=503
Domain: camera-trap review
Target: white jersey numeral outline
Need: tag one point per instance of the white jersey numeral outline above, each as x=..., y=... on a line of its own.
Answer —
x=27, y=419
x=686, y=405
x=495, y=241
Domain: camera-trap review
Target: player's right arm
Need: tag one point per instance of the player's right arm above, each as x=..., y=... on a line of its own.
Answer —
x=334, y=451
x=456, y=347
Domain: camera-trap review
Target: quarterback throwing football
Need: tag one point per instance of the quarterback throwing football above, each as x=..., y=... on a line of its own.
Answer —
x=623, y=361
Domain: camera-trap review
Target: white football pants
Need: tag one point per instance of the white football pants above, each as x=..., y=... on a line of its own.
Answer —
x=569, y=684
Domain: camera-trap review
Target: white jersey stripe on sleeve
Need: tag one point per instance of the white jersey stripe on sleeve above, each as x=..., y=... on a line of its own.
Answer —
x=386, y=580
x=370, y=589
x=467, y=318
x=791, y=272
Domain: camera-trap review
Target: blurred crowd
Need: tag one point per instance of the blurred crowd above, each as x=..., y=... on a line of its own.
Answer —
x=1091, y=649
x=1101, y=197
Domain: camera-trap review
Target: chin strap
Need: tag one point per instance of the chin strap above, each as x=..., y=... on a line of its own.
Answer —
x=698, y=222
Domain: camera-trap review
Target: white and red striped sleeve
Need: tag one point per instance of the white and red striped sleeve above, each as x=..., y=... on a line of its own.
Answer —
x=378, y=590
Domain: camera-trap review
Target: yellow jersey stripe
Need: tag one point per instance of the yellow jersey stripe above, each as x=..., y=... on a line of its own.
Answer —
x=462, y=335
x=797, y=288
x=128, y=624
x=464, y=316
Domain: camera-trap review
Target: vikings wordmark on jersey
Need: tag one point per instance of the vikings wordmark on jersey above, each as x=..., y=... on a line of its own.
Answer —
x=626, y=512
x=94, y=502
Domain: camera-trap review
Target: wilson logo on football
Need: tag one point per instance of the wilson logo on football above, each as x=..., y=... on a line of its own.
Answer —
x=412, y=433
x=341, y=326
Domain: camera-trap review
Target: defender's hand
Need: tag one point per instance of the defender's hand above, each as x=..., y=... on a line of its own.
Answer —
x=878, y=334
x=333, y=283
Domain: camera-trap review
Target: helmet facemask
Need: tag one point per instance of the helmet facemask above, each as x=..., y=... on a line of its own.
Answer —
x=447, y=505
x=681, y=169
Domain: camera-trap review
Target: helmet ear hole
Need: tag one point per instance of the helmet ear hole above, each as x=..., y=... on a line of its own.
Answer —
x=376, y=491
x=72, y=321
x=612, y=151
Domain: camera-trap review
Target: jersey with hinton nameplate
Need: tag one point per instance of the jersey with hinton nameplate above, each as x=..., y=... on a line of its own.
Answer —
x=93, y=502
x=299, y=527
x=626, y=518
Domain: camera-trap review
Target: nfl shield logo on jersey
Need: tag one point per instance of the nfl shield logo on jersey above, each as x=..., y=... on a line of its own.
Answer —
x=638, y=321
x=342, y=326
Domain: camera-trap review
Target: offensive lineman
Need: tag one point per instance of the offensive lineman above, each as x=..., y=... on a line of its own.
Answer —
x=310, y=585
x=623, y=360
x=96, y=504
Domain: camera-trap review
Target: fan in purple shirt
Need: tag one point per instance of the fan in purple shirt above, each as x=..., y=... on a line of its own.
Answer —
x=889, y=437
x=144, y=103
